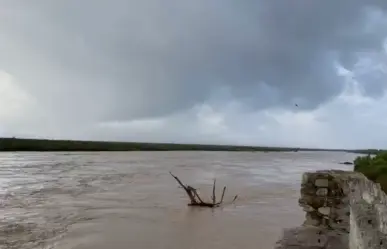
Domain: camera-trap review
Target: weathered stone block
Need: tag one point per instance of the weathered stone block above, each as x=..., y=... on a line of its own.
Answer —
x=340, y=215
x=322, y=192
x=312, y=219
x=308, y=189
x=305, y=178
x=321, y=183
x=320, y=201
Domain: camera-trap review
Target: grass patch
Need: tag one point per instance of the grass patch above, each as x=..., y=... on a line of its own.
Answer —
x=374, y=168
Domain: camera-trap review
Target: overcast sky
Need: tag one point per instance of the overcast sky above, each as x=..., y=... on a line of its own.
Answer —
x=203, y=71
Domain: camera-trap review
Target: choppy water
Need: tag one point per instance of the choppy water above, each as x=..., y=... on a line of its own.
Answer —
x=120, y=200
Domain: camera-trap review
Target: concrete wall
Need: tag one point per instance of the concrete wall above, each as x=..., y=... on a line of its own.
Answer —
x=368, y=220
x=343, y=210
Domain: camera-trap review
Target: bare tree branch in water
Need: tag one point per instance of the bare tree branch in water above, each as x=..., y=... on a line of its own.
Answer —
x=196, y=200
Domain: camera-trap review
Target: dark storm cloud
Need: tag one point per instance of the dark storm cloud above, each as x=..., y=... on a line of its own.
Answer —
x=133, y=58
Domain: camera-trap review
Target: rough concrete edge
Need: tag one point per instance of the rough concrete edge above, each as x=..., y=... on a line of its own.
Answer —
x=367, y=226
x=369, y=212
x=373, y=200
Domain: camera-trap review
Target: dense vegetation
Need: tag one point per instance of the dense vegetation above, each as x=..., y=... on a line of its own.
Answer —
x=374, y=167
x=20, y=144
x=17, y=144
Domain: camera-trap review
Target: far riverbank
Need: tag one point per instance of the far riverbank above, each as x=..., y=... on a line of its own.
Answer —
x=23, y=144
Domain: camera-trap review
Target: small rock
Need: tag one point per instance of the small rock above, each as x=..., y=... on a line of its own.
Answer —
x=322, y=183
x=324, y=210
x=322, y=192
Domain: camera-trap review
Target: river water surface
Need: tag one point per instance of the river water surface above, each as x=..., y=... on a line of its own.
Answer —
x=120, y=200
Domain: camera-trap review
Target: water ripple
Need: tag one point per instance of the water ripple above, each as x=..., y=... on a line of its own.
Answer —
x=56, y=200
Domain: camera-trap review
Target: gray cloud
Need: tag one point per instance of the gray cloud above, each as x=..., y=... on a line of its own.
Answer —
x=96, y=60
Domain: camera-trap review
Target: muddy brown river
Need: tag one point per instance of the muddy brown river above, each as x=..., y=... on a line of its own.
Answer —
x=120, y=200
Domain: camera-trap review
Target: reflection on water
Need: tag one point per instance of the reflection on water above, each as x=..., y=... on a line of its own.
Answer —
x=128, y=199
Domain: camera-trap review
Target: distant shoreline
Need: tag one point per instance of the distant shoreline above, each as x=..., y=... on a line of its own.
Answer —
x=24, y=144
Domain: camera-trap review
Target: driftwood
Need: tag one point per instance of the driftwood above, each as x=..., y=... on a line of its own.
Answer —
x=196, y=200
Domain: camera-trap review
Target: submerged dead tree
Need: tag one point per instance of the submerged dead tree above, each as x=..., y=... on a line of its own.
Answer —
x=196, y=200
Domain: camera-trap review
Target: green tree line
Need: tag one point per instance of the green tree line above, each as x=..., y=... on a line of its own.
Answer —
x=20, y=144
